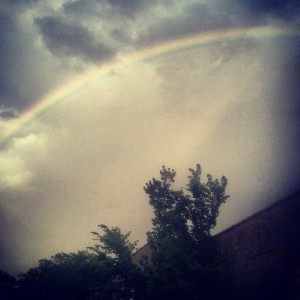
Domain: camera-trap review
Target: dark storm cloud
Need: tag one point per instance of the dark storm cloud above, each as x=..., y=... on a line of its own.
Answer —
x=286, y=111
x=256, y=12
x=195, y=18
x=81, y=8
x=7, y=29
x=18, y=65
x=72, y=39
x=287, y=10
x=8, y=114
x=17, y=4
x=121, y=35
x=127, y=8
x=12, y=59
x=218, y=15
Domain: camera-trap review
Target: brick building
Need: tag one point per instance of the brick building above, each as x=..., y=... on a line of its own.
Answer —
x=262, y=254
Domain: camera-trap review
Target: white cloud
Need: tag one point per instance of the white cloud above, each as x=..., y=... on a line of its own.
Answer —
x=16, y=163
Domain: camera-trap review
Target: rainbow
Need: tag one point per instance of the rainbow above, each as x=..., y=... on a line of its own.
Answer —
x=165, y=48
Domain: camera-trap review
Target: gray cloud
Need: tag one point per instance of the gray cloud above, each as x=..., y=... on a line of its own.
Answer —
x=286, y=111
x=287, y=10
x=72, y=39
x=12, y=58
x=17, y=5
x=8, y=114
x=130, y=7
x=82, y=8
x=195, y=18
x=24, y=70
x=254, y=13
x=107, y=8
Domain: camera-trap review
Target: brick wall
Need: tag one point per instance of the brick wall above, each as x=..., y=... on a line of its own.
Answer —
x=262, y=254
x=145, y=251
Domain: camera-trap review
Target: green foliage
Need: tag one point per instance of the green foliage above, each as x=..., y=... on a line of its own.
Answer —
x=184, y=257
x=127, y=278
x=8, y=285
x=114, y=243
x=71, y=276
x=102, y=272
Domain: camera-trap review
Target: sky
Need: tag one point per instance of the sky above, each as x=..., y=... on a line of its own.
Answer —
x=96, y=96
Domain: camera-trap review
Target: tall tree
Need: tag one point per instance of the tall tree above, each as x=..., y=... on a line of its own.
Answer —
x=184, y=257
x=127, y=280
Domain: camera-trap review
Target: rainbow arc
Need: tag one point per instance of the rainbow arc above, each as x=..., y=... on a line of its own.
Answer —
x=165, y=48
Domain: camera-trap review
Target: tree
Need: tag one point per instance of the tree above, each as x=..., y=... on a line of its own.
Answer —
x=8, y=285
x=184, y=258
x=127, y=280
x=114, y=243
x=74, y=276
x=102, y=272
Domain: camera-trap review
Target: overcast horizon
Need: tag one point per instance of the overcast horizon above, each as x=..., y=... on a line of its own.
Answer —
x=231, y=106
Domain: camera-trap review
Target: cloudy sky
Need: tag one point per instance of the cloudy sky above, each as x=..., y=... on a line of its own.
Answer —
x=230, y=105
